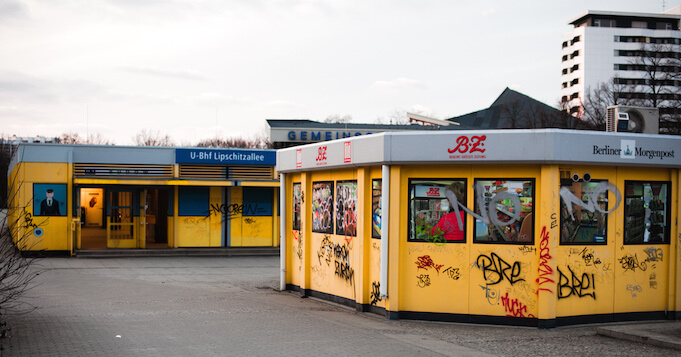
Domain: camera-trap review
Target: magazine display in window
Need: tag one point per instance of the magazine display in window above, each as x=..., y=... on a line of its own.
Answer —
x=583, y=226
x=515, y=215
x=646, y=212
x=433, y=216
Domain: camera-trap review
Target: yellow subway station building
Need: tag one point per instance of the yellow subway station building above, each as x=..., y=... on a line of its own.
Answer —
x=70, y=198
x=539, y=227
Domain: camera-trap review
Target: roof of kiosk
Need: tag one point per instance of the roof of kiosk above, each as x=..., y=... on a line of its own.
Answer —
x=140, y=155
x=545, y=146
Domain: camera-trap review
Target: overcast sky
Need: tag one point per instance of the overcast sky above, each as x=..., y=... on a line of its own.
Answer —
x=196, y=68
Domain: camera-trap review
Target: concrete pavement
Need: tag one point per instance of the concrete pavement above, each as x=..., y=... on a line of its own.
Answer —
x=217, y=306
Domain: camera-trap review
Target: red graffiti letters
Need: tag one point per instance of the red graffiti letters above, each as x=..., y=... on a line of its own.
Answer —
x=514, y=308
x=426, y=262
x=545, y=271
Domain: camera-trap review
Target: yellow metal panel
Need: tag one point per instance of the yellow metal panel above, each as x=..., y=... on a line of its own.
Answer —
x=46, y=172
x=372, y=246
x=334, y=261
x=641, y=272
x=256, y=231
x=193, y=231
x=585, y=274
x=295, y=238
x=215, y=217
x=236, y=198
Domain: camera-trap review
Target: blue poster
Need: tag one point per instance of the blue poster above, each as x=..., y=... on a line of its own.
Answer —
x=49, y=199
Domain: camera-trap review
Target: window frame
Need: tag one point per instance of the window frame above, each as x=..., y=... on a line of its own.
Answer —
x=666, y=239
x=560, y=223
x=533, y=212
x=410, y=211
x=337, y=209
x=331, y=228
x=376, y=234
x=296, y=218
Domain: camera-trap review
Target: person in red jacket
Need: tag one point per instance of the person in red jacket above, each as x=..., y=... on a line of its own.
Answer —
x=449, y=223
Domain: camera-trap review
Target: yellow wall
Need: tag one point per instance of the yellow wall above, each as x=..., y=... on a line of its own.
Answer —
x=56, y=230
x=543, y=280
x=249, y=231
x=202, y=231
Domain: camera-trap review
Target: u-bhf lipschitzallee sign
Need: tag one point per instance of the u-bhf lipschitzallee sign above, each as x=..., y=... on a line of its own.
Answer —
x=226, y=157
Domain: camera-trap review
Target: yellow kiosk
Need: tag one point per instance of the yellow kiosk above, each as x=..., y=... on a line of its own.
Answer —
x=524, y=227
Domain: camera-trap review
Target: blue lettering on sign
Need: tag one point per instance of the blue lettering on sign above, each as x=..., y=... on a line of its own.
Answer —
x=292, y=135
x=303, y=135
x=328, y=135
x=358, y=134
x=315, y=137
x=226, y=156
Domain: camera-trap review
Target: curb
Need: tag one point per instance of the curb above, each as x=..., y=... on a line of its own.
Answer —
x=641, y=336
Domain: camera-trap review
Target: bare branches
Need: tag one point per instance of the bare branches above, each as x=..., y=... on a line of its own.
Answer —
x=148, y=137
x=92, y=139
x=17, y=272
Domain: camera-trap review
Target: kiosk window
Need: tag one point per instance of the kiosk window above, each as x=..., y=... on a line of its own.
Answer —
x=346, y=208
x=646, y=212
x=376, y=208
x=583, y=217
x=322, y=207
x=505, y=214
x=297, y=204
x=434, y=215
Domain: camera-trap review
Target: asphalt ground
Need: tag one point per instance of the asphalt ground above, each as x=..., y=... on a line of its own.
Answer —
x=230, y=306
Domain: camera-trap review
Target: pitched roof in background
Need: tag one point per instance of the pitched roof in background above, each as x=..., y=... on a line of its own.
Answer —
x=514, y=110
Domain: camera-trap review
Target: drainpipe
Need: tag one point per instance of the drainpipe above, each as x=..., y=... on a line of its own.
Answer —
x=282, y=230
x=385, y=223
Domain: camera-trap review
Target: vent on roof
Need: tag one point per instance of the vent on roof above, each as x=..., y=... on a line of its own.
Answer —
x=105, y=170
x=227, y=172
x=251, y=173
x=203, y=172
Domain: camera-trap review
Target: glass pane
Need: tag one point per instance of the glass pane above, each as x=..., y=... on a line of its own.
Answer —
x=435, y=210
x=646, y=212
x=297, y=204
x=585, y=224
x=322, y=207
x=376, y=208
x=505, y=214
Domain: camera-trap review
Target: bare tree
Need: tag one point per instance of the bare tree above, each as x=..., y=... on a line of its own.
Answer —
x=513, y=112
x=257, y=142
x=17, y=271
x=598, y=99
x=148, y=137
x=338, y=119
x=92, y=139
x=396, y=117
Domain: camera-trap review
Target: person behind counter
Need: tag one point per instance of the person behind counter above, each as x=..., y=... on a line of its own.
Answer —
x=449, y=223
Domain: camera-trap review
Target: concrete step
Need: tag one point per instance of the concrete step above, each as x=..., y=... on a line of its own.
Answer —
x=175, y=252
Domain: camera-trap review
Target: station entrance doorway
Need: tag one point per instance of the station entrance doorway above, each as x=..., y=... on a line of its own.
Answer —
x=122, y=217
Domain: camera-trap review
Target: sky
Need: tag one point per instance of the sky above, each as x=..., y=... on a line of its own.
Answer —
x=196, y=69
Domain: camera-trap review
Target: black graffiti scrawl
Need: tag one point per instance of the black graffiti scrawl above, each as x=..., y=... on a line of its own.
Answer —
x=575, y=285
x=495, y=270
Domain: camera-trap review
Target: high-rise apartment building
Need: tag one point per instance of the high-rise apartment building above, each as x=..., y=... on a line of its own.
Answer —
x=602, y=48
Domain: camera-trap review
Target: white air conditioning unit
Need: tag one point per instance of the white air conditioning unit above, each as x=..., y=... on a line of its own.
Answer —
x=626, y=119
